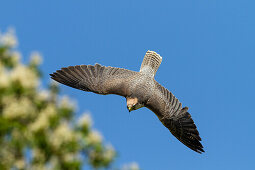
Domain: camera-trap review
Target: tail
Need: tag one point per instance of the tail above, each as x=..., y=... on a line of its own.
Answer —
x=151, y=63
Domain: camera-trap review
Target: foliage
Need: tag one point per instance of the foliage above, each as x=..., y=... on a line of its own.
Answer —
x=37, y=127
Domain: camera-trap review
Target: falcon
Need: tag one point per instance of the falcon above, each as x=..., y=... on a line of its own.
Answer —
x=140, y=90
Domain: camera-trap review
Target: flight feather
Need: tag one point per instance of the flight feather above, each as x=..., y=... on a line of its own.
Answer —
x=98, y=79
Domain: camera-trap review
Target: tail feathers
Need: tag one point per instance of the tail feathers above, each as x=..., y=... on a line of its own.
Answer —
x=151, y=63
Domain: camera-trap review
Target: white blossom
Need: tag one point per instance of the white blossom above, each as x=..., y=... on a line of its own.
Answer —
x=70, y=157
x=65, y=102
x=15, y=57
x=26, y=77
x=21, y=108
x=43, y=95
x=109, y=153
x=4, y=79
x=20, y=164
x=61, y=135
x=42, y=122
x=8, y=156
x=38, y=154
x=39, y=117
x=8, y=99
x=85, y=120
x=131, y=166
x=35, y=58
x=9, y=38
x=54, y=162
x=39, y=166
x=94, y=137
x=50, y=111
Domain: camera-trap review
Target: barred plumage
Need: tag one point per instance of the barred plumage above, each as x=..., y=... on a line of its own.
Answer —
x=151, y=63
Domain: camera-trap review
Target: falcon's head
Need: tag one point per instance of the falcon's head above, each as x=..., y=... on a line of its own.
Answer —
x=133, y=104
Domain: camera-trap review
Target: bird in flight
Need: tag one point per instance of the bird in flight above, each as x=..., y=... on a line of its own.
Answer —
x=140, y=90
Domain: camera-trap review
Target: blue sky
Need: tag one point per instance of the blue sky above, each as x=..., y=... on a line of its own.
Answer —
x=208, y=63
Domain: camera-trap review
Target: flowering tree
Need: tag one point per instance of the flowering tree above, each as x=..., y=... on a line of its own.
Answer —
x=37, y=127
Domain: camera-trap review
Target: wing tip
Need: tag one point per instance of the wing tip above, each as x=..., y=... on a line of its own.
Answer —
x=185, y=130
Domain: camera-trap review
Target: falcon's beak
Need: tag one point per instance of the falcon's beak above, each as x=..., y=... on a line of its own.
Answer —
x=129, y=108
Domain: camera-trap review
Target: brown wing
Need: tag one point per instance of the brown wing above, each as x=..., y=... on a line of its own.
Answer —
x=170, y=112
x=98, y=79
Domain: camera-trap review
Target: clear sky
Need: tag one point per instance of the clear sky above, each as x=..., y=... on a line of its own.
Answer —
x=208, y=50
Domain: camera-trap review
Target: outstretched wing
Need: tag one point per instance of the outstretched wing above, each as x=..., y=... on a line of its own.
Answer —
x=170, y=112
x=98, y=79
